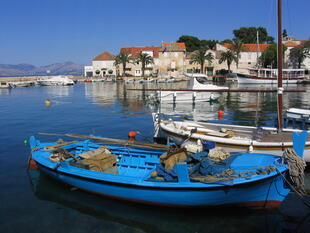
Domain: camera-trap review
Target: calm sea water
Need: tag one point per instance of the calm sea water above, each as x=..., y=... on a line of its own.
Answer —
x=30, y=202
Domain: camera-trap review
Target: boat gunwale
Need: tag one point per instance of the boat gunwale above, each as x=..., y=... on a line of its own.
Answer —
x=141, y=181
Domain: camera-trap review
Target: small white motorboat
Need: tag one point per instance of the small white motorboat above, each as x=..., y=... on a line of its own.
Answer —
x=298, y=113
x=56, y=81
x=198, y=91
x=5, y=85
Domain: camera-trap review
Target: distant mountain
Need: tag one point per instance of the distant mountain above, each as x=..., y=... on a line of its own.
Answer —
x=66, y=68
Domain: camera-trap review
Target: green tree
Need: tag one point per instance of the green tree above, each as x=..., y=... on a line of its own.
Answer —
x=248, y=35
x=269, y=56
x=226, y=41
x=123, y=59
x=192, y=43
x=229, y=57
x=208, y=44
x=200, y=56
x=145, y=60
x=237, y=48
x=298, y=55
x=284, y=34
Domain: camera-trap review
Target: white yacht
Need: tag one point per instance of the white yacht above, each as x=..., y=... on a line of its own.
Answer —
x=199, y=90
x=56, y=81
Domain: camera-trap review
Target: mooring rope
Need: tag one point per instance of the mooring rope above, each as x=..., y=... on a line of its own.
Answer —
x=296, y=167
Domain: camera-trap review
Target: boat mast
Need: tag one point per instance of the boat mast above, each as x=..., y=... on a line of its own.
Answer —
x=257, y=49
x=280, y=63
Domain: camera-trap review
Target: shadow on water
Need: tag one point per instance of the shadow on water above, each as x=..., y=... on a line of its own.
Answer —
x=156, y=219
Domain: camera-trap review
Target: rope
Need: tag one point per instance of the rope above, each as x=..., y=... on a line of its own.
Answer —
x=299, y=195
x=296, y=167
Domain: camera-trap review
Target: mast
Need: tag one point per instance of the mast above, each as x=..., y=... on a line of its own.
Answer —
x=257, y=48
x=280, y=63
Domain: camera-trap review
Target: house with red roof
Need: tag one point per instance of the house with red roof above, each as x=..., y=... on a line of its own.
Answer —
x=249, y=57
x=172, y=59
x=169, y=60
x=135, y=68
x=102, y=65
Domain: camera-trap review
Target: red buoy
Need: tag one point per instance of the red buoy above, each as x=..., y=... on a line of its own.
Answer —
x=132, y=135
x=220, y=114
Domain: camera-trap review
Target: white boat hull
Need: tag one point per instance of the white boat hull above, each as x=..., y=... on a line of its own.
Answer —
x=257, y=80
x=244, y=139
x=186, y=96
x=56, y=81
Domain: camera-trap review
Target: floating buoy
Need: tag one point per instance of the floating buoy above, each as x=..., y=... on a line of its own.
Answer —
x=220, y=114
x=132, y=135
x=48, y=102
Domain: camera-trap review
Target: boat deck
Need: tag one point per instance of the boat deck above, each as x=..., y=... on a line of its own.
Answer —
x=277, y=137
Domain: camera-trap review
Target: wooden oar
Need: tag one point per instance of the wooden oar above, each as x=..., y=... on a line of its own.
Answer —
x=113, y=141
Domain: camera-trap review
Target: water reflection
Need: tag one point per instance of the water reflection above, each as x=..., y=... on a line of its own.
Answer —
x=5, y=91
x=243, y=108
x=59, y=91
x=156, y=219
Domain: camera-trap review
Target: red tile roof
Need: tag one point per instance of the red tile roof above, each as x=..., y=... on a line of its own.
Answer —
x=135, y=51
x=104, y=56
x=181, y=45
x=250, y=47
x=291, y=44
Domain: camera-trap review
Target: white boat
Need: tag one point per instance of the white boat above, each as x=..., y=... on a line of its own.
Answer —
x=130, y=80
x=5, y=85
x=194, y=93
x=269, y=76
x=23, y=83
x=56, y=81
x=230, y=137
x=298, y=113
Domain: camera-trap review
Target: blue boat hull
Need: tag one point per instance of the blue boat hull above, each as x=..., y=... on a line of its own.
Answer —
x=134, y=182
x=266, y=193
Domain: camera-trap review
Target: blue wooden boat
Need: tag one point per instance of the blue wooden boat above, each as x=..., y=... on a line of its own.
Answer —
x=134, y=182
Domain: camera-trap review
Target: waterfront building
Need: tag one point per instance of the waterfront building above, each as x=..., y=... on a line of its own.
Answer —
x=134, y=68
x=248, y=57
x=172, y=59
x=102, y=65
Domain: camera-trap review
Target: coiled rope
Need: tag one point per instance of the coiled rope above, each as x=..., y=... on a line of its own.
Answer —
x=296, y=167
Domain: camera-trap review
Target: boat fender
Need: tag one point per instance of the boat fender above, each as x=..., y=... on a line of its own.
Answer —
x=250, y=150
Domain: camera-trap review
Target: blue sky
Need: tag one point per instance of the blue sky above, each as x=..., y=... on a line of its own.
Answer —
x=41, y=32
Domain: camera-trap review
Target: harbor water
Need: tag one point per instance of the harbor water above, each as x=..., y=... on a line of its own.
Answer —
x=31, y=202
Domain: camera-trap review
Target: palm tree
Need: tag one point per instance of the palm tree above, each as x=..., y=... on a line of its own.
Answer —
x=229, y=57
x=237, y=48
x=122, y=58
x=145, y=60
x=298, y=55
x=200, y=56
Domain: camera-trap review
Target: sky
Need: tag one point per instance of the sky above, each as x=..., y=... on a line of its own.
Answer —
x=43, y=32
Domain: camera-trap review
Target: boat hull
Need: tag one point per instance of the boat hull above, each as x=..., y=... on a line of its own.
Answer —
x=186, y=96
x=230, y=144
x=260, y=80
x=266, y=193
